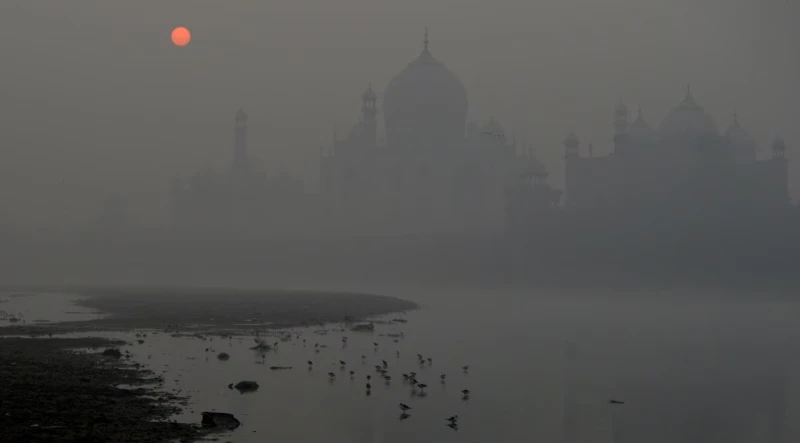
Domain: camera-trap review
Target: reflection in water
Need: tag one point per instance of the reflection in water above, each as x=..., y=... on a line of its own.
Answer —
x=511, y=367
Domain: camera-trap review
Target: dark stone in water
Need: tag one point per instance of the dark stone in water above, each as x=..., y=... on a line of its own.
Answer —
x=220, y=419
x=112, y=352
x=246, y=386
x=223, y=356
x=275, y=368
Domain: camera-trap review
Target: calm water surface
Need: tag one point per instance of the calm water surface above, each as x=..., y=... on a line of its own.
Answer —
x=690, y=367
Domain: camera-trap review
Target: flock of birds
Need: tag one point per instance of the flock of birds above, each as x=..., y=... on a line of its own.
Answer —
x=410, y=378
x=418, y=388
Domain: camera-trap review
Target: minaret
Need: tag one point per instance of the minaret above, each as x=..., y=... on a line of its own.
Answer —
x=369, y=122
x=240, y=159
x=620, y=127
x=571, y=160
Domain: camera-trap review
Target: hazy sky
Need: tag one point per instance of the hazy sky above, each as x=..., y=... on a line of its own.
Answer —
x=94, y=99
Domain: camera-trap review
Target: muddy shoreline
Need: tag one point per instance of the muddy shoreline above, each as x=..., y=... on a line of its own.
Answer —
x=50, y=392
x=212, y=310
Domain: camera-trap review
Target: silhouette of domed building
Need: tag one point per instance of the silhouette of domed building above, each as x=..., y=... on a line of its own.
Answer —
x=687, y=167
x=434, y=173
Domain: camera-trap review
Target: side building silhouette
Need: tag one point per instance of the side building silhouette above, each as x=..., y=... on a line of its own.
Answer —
x=247, y=198
x=686, y=167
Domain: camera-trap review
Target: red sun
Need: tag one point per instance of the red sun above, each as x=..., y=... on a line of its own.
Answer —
x=181, y=36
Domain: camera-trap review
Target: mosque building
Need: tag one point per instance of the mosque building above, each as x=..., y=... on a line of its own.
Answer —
x=247, y=197
x=435, y=172
x=686, y=166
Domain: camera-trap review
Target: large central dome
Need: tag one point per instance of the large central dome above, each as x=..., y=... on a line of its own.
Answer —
x=688, y=119
x=425, y=105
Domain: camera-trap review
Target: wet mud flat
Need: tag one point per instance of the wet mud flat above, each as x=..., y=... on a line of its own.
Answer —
x=51, y=393
x=215, y=309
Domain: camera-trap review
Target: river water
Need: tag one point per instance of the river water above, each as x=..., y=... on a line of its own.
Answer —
x=689, y=365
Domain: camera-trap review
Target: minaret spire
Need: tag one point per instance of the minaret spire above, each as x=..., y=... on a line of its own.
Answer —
x=240, y=160
x=426, y=41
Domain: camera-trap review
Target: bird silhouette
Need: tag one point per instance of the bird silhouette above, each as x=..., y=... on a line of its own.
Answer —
x=453, y=419
x=404, y=416
x=404, y=407
x=616, y=402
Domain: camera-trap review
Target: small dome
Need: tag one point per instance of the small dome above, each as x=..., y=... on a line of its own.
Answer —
x=571, y=139
x=240, y=116
x=738, y=136
x=493, y=128
x=621, y=109
x=369, y=94
x=640, y=132
x=688, y=119
x=778, y=144
x=531, y=166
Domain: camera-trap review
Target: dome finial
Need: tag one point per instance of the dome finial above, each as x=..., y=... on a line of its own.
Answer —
x=688, y=90
x=735, y=116
x=425, y=42
x=640, y=111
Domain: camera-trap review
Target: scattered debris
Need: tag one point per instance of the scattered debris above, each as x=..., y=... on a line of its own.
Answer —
x=246, y=386
x=112, y=352
x=220, y=420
